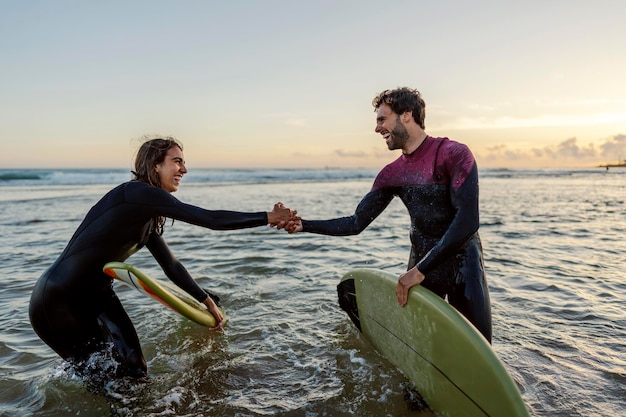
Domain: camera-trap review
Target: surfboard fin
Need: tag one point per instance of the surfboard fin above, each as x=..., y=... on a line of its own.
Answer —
x=347, y=301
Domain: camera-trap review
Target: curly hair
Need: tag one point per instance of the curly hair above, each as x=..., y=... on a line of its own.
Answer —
x=403, y=99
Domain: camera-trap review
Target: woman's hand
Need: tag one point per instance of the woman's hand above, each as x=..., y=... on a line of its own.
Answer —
x=215, y=311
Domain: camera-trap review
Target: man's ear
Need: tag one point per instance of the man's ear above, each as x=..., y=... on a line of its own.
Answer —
x=406, y=116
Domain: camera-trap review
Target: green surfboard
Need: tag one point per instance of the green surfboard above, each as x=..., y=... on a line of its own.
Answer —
x=450, y=363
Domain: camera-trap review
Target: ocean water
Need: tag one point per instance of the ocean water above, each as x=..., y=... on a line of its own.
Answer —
x=554, y=253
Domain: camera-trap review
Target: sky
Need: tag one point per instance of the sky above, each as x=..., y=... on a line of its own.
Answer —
x=288, y=84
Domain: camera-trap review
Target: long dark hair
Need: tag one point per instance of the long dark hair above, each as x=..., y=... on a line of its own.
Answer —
x=151, y=153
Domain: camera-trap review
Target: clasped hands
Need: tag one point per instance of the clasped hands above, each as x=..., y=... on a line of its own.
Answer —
x=282, y=217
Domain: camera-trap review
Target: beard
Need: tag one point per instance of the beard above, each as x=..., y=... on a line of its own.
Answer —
x=399, y=136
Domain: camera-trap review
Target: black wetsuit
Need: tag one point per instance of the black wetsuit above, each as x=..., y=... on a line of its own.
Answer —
x=438, y=184
x=73, y=306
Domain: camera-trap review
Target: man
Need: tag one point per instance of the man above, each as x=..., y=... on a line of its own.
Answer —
x=437, y=180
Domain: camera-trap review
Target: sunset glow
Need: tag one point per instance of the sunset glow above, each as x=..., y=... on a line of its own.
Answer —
x=290, y=84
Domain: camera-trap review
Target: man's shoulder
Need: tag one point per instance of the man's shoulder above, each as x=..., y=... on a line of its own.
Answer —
x=390, y=167
x=455, y=149
x=446, y=142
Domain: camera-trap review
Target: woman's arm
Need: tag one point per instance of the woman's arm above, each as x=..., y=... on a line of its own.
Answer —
x=156, y=202
x=172, y=267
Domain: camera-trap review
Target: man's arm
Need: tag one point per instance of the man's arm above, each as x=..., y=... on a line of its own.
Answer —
x=465, y=224
x=370, y=207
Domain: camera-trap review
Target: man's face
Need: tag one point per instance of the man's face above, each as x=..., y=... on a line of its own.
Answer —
x=389, y=125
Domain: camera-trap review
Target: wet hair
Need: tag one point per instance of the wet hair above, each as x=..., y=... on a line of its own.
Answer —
x=151, y=153
x=403, y=99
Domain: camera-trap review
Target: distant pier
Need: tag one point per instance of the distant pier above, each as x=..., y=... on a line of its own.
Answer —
x=617, y=165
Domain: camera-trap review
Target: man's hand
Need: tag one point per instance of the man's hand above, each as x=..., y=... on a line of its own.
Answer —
x=292, y=226
x=410, y=278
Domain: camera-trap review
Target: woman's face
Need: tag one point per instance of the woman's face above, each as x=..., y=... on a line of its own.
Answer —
x=172, y=169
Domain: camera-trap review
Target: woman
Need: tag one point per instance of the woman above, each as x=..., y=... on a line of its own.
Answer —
x=73, y=307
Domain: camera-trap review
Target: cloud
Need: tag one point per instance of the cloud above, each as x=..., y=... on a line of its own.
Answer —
x=296, y=122
x=289, y=119
x=612, y=149
x=374, y=154
x=502, y=152
x=541, y=112
x=615, y=145
x=552, y=120
x=584, y=103
x=353, y=154
x=570, y=149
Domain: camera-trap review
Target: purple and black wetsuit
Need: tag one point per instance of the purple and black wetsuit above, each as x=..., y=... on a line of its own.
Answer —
x=73, y=307
x=438, y=184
